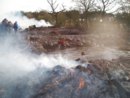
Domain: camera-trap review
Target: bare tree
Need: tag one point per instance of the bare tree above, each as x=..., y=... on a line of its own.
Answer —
x=54, y=8
x=106, y=5
x=85, y=5
x=124, y=6
x=53, y=4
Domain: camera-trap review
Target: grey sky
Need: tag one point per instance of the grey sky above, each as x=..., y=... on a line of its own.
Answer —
x=29, y=5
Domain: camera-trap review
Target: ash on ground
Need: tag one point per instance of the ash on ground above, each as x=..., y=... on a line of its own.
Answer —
x=97, y=79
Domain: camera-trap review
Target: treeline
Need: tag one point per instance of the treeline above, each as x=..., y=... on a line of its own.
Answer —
x=88, y=14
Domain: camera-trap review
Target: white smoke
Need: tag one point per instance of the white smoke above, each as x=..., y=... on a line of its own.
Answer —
x=23, y=21
x=16, y=59
x=13, y=56
x=17, y=63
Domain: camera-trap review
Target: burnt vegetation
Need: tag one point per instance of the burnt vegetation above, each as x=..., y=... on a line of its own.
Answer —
x=82, y=34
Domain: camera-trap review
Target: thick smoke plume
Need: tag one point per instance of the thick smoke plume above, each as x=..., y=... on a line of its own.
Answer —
x=23, y=21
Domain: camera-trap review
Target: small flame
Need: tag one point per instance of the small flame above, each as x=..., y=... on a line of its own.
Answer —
x=81, y=83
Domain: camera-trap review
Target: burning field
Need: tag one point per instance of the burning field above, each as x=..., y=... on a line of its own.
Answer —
x=66, y=66
x=70, y=49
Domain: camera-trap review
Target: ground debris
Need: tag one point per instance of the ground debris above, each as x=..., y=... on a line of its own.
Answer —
x=99, y=84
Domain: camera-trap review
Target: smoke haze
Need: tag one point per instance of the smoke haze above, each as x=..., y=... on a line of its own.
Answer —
x=19, y=65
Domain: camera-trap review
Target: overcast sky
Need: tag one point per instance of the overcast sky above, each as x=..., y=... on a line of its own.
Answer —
x=29, y=5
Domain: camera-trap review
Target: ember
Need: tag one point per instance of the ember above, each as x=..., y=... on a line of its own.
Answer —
x=81, y=83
